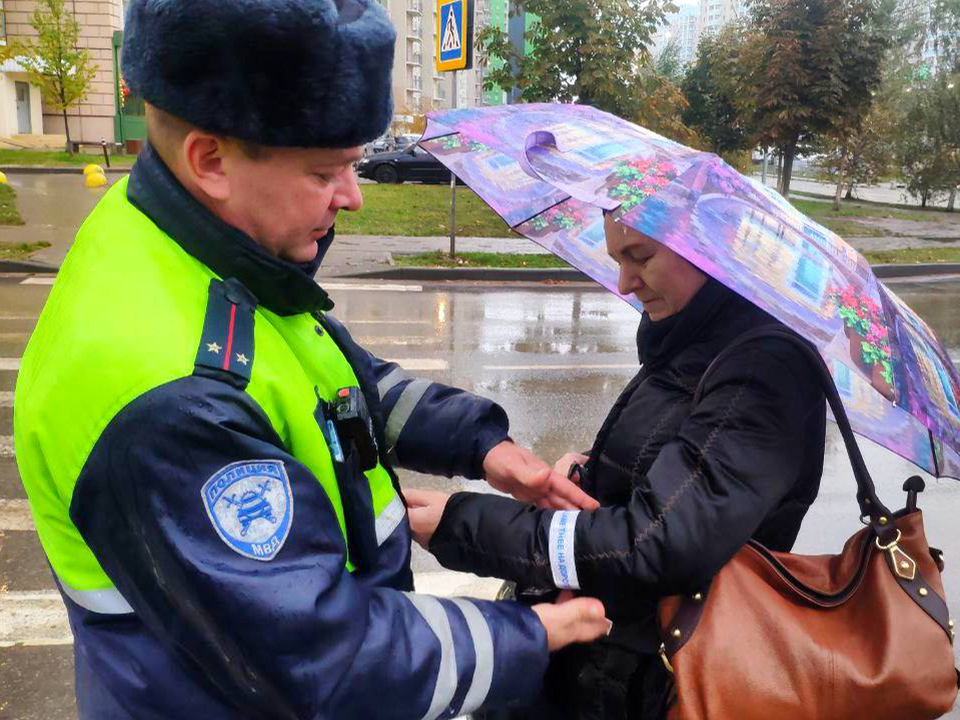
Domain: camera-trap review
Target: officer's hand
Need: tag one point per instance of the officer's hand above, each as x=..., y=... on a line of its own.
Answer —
x=577, y=620
x=424, y=510
x=516, y=471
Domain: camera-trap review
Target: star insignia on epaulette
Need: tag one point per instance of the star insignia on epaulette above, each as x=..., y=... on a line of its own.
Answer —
x=242, y=359
x=214, y=348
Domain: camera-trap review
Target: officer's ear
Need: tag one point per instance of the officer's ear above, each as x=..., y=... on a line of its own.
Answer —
x=204, y=157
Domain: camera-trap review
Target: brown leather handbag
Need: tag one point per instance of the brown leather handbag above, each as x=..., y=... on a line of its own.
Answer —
x=779, y=636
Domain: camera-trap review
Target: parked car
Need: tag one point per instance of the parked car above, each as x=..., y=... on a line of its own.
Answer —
x=414, y=163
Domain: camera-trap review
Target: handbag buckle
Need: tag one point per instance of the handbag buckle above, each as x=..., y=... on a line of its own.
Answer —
x=903, y=565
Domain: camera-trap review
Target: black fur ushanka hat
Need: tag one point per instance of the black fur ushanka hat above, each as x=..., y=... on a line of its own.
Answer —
x=285, y=73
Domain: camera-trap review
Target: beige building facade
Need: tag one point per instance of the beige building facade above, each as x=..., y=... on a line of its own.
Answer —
x=93, y=118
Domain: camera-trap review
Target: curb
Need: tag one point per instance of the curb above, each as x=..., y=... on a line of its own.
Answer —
x=428, y=274
x=41, y=170
x=26, y=266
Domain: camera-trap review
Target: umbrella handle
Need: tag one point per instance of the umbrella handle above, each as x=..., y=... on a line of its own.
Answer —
x=870, y=504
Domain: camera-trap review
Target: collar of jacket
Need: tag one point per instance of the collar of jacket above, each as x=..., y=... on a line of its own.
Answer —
x=658, y=342
x=282, y=287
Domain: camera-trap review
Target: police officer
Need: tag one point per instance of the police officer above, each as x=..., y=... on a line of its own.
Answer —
x=207, y=452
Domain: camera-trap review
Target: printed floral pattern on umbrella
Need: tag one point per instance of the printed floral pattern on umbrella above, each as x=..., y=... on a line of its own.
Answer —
x=634, y=181
x=863, y=324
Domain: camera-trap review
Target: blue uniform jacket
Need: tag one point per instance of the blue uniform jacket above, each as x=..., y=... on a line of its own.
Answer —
x=208, y=633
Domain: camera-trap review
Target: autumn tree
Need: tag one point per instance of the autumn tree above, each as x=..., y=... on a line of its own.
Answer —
x=810, y=69
x=53, y=61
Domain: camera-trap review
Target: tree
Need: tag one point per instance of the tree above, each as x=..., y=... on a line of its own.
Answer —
x=714, y=103
x=588, y=51
x=863, y=156
x=53, y=62
x=929, y=138
x=810, y=68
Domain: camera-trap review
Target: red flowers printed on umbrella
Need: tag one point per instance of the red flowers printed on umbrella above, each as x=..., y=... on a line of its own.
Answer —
x=635, y=180
x=561, y=217
x=862, y=315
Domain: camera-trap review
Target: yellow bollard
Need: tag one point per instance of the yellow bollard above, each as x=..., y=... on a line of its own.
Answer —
x=3, y=179
x=92, y=168
x=95, y=180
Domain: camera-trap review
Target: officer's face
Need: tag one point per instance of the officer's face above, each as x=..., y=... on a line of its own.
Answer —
x=288, y=198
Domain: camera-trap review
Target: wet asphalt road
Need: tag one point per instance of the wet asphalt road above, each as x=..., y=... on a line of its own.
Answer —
x=554, y=357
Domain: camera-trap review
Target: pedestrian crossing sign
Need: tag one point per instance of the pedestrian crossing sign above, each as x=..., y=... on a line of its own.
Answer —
x=454, y=35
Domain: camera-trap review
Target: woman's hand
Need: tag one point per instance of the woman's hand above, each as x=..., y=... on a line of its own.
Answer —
x=424, y=509
x=563, y=465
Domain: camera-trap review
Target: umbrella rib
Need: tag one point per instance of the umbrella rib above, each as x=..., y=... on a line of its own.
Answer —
x=933, y=452
x=541, y=212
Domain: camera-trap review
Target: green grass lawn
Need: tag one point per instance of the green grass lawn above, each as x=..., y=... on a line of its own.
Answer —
x=919, y=255
x=420, y=211
x=9, y=214
x=54, y=158
x=20, y=251
x=865, y=208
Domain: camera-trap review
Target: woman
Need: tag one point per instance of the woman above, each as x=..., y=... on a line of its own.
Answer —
x=681, y=487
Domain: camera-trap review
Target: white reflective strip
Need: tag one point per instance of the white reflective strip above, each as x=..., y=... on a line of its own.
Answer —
x=403, y=409
x=563, y=528
x=483, y=649
x=391, y=380
x=436, y=617
x=389, y=518
x=105, y=602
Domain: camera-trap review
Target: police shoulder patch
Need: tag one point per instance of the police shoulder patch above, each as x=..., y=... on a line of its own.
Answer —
x=251, y=506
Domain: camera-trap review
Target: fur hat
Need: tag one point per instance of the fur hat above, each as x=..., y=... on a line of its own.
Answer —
x=286, y=73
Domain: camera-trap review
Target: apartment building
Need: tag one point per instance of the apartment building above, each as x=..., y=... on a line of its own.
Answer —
x=417, y=86
x=22, y=111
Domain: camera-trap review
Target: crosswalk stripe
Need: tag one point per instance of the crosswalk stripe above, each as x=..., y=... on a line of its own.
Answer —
x=6, y=446
x=612, y=366
x=420, y=364
x=398, y=341
x=386, y=322
x=371, y=287
x=32, y=618
x=39, y=280
x=9, y=363
x=6, y=398
x=15, y=515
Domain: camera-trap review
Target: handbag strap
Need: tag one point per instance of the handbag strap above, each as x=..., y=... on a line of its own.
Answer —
x=870, y=504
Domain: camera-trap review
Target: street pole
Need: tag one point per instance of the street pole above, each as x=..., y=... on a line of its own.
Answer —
x=453, y=186
x=763, y=174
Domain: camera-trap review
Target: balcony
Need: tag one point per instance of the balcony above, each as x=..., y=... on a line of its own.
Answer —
x=414, y=27
x=415, y=6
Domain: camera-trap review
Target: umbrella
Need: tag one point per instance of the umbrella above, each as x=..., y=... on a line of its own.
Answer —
x=550, y=170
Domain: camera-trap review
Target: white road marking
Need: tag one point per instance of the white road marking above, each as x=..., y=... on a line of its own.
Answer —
x=33, y=618
x=9, y=363
x=419, y=364
x=39, y=280
x=612, y=366
x=6, y=398
x=6, y=446
x=372, y=287
x=17, y=316
x=382, y=322
x=15, y=515
x=397, y=341
x=39, y=618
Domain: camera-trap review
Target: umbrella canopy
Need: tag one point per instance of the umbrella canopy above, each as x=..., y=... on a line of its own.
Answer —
x=550, y=170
